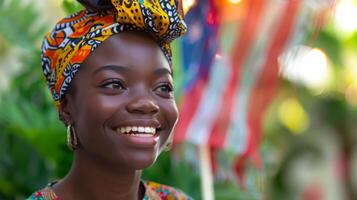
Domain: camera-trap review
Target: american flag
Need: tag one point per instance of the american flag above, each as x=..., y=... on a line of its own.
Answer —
x=229, y=70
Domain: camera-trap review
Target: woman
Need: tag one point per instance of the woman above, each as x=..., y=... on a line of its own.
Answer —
x=110, y=75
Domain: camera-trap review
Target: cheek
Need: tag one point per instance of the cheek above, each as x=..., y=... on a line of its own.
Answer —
x=94, y=112
x=96, y=109
x=171, y=113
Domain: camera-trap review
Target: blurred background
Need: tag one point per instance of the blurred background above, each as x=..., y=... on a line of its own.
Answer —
x=268, y=86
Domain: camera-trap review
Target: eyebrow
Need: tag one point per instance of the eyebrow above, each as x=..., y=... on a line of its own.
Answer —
x=116, y=68
x=163, y=71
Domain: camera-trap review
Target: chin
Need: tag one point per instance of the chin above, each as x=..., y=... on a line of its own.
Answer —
x=141, y=164
x=139, y=159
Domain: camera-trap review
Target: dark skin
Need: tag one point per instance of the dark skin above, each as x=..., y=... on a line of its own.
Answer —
x=126, y=81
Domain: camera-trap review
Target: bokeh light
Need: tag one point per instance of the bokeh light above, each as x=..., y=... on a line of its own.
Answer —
x=187, y=5
x=234, y=1
x=293, y=116
x=306, y=66
x=346, y=16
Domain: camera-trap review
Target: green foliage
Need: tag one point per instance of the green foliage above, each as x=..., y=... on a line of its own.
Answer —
x=22, y=169
x=71, y=6
x=20, y=24
x=32, y=138
x=333, y=47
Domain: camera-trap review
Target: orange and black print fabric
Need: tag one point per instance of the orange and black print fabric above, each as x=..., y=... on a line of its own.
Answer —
x=66, y=47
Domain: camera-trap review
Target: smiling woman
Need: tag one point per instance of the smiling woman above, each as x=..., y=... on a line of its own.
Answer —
x=110, y=76
x=121, y=103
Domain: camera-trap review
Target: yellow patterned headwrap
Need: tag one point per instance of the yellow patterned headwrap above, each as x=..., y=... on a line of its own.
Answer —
x=66, y=47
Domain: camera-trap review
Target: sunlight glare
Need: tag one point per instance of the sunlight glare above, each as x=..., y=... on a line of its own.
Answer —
x=234, y=1
x=346, y=16
x=306, y=66
x=188, y=4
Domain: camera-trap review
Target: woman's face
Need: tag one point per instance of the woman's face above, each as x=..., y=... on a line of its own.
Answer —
x=121, y=102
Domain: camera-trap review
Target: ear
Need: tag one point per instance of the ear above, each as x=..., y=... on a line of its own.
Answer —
x=65, y=110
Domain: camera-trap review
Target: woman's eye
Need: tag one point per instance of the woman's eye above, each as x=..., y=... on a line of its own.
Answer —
x=113, y=84
x=165, y=89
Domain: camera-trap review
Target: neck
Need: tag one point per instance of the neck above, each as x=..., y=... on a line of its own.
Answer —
x=90, y=179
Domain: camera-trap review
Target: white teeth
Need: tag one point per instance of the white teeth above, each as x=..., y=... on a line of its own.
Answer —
x=127, y=129
x=140, y=131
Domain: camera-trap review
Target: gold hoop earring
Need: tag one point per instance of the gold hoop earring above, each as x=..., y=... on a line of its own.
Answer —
x=168, y=145
x=72, y=141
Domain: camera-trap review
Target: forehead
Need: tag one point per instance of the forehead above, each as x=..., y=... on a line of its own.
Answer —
x=130, y=49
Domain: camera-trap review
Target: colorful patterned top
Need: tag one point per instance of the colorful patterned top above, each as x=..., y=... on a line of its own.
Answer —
x=153, y=191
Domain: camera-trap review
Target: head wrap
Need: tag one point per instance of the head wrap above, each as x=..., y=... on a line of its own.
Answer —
x=76, y=36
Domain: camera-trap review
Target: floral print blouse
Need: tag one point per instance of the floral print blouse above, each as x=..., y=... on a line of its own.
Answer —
x=154, y=191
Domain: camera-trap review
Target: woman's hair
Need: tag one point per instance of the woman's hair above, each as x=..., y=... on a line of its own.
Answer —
x=96, y=4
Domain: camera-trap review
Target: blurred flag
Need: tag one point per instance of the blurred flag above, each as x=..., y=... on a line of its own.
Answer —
x=230, y=70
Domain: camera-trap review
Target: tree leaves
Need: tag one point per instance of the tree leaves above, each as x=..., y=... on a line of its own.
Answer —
x=71, y=6
x=18, y=23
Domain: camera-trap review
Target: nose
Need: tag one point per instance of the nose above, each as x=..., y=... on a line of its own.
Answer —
x=143, y=105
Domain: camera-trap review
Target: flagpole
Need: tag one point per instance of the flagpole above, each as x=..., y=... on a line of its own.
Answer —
x=207, y=188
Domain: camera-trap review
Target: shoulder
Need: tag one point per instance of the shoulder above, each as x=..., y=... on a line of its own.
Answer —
x=44, y=194
x=164, y=192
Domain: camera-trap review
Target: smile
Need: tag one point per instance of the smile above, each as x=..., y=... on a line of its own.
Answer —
x=139, y=131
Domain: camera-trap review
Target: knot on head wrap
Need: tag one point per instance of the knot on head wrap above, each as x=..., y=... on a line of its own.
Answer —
x=76, y=36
